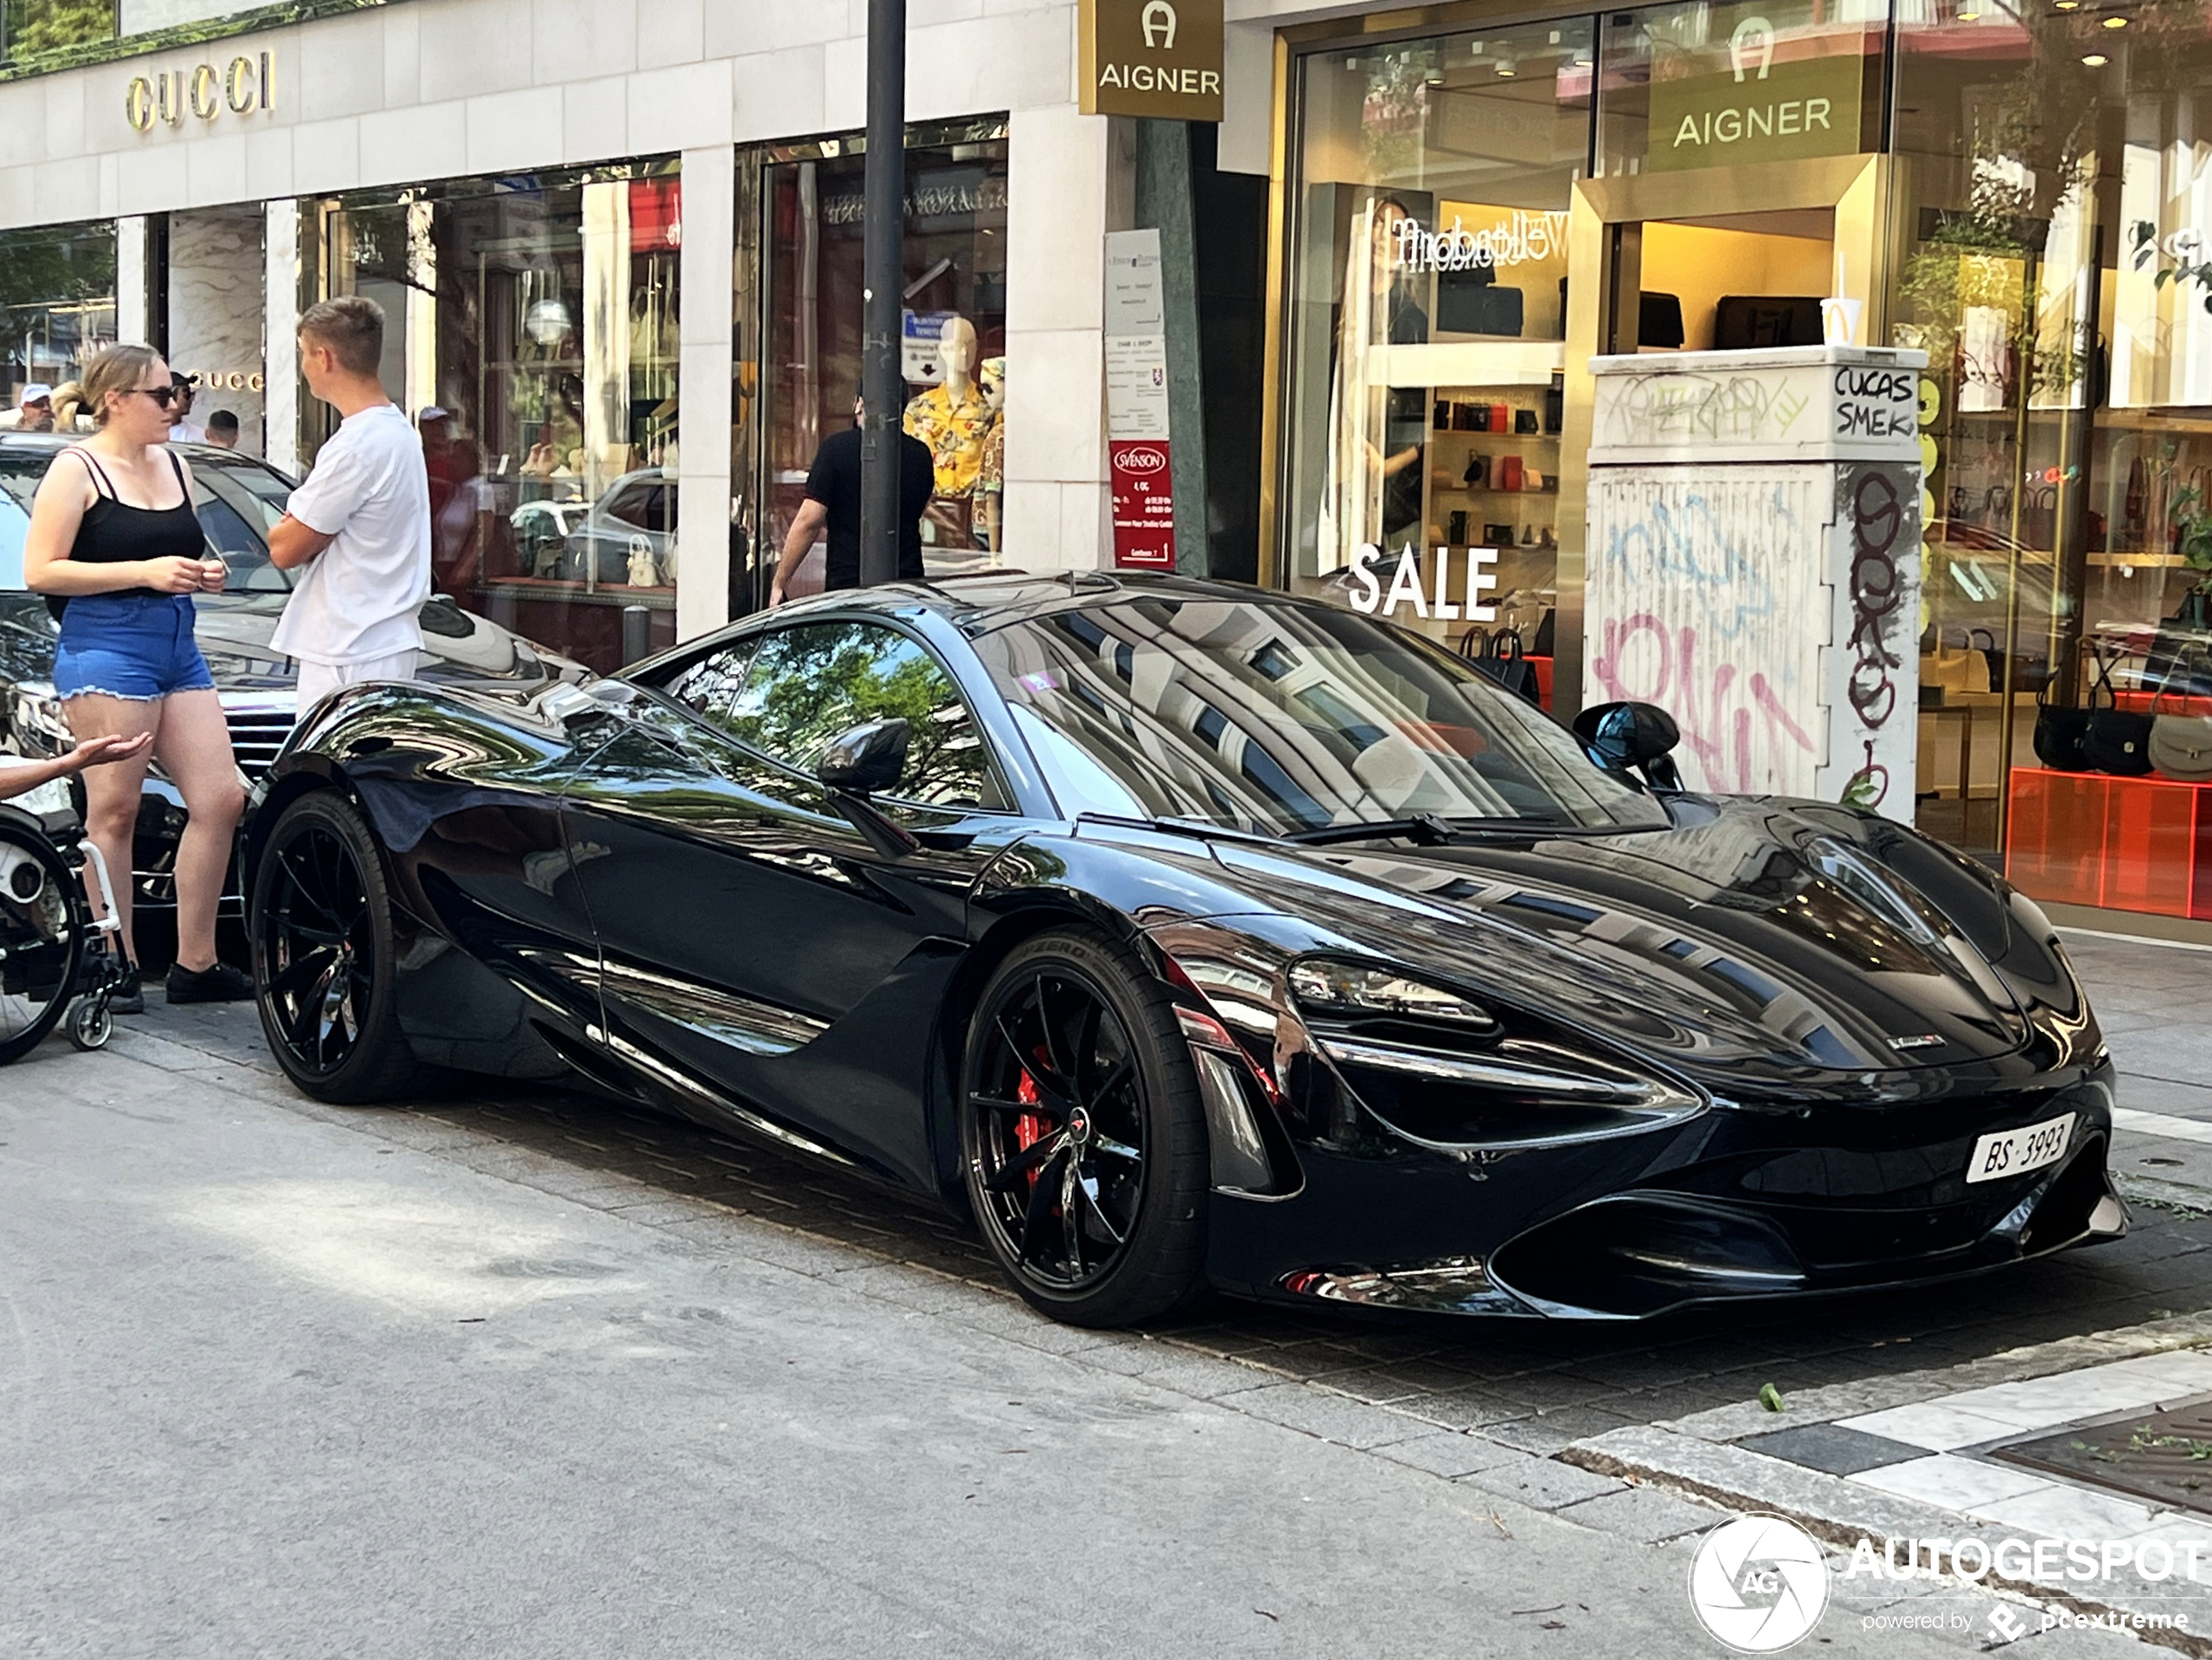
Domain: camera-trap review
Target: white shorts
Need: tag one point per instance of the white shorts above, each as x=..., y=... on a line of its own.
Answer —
x=318, y=680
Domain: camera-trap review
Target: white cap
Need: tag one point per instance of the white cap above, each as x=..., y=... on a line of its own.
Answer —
x=36, y=390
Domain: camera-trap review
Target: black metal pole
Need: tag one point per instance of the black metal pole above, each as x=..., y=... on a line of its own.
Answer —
x=885, y=221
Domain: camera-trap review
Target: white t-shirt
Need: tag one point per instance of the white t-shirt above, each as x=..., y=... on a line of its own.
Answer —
x=357, y=598
x=186, y=432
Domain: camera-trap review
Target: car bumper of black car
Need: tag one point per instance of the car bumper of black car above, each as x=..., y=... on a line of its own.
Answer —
x=1761, y=1208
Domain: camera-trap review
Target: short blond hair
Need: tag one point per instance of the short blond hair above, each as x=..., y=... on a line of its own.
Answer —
x=119, y=368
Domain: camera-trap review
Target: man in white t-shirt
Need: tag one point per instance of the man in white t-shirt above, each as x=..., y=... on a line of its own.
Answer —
x=361, y=525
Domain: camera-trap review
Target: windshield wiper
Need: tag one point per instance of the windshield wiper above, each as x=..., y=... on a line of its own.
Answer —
x=1424, y=827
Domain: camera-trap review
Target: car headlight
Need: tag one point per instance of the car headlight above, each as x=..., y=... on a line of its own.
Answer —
x=1331, y=989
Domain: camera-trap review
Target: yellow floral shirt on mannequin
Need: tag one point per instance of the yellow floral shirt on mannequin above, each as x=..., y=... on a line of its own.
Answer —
x=953, y=424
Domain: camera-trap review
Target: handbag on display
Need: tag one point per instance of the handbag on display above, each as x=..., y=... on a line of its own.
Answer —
x=1546, y=632
x=2184, y=637
x=1473, y=643
x=2181, y=746
x=1990, y=656
x=1965, y=670
x=2059, y=732
x=2118, y=740
x=1503, y=661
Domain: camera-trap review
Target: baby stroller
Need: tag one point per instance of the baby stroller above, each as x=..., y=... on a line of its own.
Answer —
x=48, y=965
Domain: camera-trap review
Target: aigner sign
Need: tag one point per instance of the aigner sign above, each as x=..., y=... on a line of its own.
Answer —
x=1750, y=103
x=1150, y=58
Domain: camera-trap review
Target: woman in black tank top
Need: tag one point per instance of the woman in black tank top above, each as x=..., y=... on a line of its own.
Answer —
x=117, y=549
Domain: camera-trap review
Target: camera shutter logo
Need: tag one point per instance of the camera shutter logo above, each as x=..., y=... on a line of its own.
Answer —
x=1758, y=1584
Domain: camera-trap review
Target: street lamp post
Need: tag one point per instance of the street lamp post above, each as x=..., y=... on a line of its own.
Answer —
x=885, y=215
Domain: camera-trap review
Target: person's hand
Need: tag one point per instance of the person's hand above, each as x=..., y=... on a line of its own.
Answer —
x=99, y=752
x=776, y=596
x=174, y=576
x=212, y=574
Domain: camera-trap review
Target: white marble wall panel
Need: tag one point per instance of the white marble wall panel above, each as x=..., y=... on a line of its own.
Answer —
x=218, y=302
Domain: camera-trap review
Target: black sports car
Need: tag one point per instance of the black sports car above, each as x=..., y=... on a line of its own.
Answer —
x=1190, y=934
x=238, y=499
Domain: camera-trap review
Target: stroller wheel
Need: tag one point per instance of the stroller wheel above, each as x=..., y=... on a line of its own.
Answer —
x=91, y=1023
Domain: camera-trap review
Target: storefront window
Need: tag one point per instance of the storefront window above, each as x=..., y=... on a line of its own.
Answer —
x=56, y=303
x=2053, y=270
x=531, y=333
x=953, y=349
x=1426, y=320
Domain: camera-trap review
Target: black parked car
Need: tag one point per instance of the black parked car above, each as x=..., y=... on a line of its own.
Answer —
x=1190, y=934
x=238, y=500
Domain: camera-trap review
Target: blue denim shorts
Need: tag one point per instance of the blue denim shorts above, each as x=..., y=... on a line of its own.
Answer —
x=137, y=646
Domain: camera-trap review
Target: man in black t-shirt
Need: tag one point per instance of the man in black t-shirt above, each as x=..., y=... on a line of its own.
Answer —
x=833, y=499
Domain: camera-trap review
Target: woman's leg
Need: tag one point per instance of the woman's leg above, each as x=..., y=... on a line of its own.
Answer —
x=111, y=793
x=193, y=746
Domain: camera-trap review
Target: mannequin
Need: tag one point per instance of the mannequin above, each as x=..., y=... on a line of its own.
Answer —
x=953, y=419
x=990, y=475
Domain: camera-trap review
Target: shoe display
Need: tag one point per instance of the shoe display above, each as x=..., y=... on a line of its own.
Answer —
x=219, y=984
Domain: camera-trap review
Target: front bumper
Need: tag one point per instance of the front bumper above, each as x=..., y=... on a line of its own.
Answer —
x=1737, y=1207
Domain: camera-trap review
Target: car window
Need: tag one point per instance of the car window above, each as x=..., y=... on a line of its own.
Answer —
x=807, y=684
x=709, y=683
x=1279, y=717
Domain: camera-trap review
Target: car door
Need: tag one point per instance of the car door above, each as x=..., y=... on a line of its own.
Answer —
x=752, y=938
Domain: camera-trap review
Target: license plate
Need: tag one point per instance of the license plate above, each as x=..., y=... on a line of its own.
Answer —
x=2012, y=1152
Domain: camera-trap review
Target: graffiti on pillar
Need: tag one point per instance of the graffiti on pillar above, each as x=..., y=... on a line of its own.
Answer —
x=1699, y=582
x=1877, y=516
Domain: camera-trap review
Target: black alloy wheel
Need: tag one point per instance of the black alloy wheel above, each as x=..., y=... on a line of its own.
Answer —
x=43, y=928
x=323, y=957
x=1082, y=1138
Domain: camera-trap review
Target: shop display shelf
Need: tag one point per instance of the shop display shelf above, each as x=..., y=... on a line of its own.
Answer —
x=2127, y=844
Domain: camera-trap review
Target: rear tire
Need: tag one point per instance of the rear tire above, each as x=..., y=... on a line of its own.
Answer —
x=324, y=966
x=1082, y=1136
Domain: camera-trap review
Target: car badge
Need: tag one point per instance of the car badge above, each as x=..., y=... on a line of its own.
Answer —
x=1923, y=1039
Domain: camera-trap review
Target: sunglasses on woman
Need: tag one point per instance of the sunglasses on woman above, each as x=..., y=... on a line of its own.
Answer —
x=164, y=396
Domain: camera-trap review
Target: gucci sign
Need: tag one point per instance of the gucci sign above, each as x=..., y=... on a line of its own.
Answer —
x=228, y=381
x=248, y=85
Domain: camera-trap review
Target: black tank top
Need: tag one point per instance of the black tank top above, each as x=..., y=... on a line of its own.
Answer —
x=114, y=532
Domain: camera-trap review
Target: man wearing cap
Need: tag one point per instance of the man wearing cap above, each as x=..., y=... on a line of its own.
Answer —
x=37, y=412
x=182, y=428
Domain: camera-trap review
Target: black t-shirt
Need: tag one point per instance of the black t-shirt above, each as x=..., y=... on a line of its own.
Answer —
x=835, y=482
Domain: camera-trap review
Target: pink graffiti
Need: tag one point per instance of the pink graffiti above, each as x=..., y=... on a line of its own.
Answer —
x=1718, y=728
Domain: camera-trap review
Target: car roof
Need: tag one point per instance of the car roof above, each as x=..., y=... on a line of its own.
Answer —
x=987, y=601
x=51, y=443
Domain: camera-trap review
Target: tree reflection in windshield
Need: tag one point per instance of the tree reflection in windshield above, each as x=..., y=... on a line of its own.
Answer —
x=1278, y=715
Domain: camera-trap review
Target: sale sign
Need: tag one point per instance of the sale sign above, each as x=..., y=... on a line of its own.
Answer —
x=1143, y=505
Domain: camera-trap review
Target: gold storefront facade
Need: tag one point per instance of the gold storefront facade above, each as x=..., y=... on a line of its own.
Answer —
x=1469, y=205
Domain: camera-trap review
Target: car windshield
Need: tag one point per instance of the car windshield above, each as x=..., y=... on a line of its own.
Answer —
x=238, y=500
x=1280, y=717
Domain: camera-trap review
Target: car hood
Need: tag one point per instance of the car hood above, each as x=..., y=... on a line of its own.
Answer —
x=234, y=630
x=1764, y=938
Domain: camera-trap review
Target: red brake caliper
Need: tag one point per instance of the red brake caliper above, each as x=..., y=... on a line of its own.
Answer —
x=1029, y=1127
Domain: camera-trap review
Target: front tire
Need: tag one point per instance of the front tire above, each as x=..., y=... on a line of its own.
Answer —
x=324, y=963
x=1082, y=1136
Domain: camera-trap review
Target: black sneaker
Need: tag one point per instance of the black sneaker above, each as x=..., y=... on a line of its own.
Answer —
x=219, y=984
x=129, y=997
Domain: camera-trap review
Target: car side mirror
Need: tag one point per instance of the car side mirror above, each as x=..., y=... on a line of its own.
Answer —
x=1622, y=736
x=868, y=758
